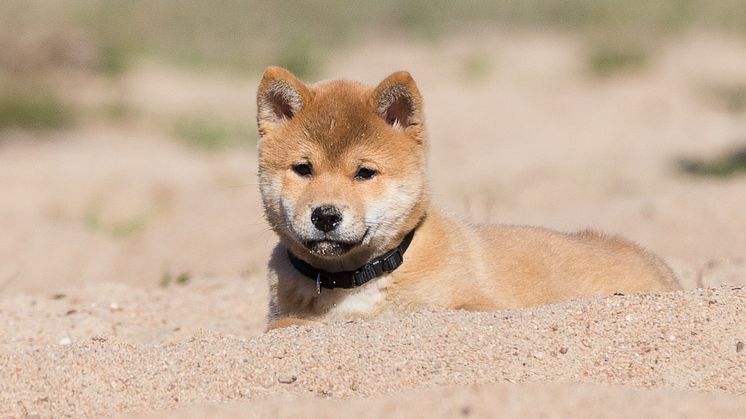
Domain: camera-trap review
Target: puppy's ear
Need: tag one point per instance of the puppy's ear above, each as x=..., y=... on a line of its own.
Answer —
x=279, y=98
x=398, y=101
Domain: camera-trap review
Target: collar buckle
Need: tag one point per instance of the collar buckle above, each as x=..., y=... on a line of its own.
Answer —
x=393, y=260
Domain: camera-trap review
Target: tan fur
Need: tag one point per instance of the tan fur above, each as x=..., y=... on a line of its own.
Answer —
x=339, y=126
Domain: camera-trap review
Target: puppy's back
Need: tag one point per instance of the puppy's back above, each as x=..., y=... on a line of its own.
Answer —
x=538, y=266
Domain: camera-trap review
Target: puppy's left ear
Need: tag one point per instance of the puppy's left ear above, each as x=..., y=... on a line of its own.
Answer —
x=279, y=98
x=397, y=100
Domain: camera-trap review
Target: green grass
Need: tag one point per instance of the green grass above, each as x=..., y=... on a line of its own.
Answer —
x=109, y=36
x=727, y=165
x=476, y=67
x=301, y=58
x=181, y=279
x=212, y=134
x=112, y=59
x=34, y=111
x=116, y=110
x=606, y=60
x=118, y=229
x=729, y=96
x=250, y=34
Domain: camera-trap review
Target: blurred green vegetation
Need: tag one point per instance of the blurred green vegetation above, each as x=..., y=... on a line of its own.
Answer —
x=606, y=60
x=729, y=96
x=247, y=35
x=476, y=67
x=47, y=37
x=167, y=278
x=34, y=111
x=212, y=134
x=117, y=229
x=112, y=59
x=728, y=164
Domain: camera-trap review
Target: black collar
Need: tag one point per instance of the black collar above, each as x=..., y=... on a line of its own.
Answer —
x=351, y=279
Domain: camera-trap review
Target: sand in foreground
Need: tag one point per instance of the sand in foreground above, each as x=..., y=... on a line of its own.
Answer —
x=679, y=341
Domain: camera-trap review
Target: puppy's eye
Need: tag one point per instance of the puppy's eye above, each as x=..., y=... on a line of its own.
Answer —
x=303, y=169
x=365, y=173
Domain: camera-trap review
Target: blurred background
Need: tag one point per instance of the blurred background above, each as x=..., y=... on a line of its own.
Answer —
x=127, y=130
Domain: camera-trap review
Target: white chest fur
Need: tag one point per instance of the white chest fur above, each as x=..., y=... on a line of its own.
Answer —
x=361, y=301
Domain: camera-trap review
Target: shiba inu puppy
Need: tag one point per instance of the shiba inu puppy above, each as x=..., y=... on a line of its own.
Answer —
x=342, y=177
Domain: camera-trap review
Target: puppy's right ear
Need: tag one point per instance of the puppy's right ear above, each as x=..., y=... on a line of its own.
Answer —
x=397, y=100
x=279, y=98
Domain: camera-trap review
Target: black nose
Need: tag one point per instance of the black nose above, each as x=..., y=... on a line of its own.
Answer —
x=326, y=218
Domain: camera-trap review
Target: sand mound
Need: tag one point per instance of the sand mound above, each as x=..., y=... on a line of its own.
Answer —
x=682, y=341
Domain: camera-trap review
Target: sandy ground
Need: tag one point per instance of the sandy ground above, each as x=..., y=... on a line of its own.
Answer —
x=98, y=222
x=493, y=400
x=126, y=358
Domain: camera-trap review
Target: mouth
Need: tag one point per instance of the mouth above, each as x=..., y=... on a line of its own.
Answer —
x=329, y=247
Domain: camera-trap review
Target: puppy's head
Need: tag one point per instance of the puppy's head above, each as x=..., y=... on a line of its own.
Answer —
x=341, y=164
